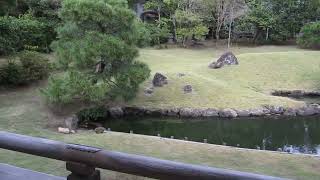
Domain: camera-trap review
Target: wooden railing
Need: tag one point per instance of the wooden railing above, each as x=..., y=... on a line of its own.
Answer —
x=82, y=161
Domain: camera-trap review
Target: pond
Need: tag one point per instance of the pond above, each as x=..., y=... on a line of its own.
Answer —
x=289, y=134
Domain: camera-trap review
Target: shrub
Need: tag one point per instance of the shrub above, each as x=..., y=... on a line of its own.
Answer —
x=64, y=88
x=25, y=32
x=35, y=66
x=27, y=68
x=158, y=35
x=11, y=73
x=310, y=36
x=94, y=114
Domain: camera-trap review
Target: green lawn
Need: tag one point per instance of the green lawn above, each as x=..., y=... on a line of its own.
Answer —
x=24, y=111
x=261, y=70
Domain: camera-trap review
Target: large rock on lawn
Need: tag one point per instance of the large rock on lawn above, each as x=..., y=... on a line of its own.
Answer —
x=227, y=58
x=159, y=80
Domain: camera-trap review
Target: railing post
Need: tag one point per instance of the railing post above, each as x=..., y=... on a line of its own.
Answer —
x=82, y=172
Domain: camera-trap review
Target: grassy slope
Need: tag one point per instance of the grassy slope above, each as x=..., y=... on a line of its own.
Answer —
x=23, y=111
x=245, y=86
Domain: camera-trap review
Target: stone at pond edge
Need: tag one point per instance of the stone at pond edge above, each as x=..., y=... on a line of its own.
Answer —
x=257, y=112
x=72, y=122
x=159, y=80
x=307, y=111
x=290, y=112
x=190, y=112
x=227, y=58
x=187, y=89
x=174, y=112
x=210, y=112
x=100, y=130
x=228, y=113
x=243, y=113
x=116, y=112
x=134, y=111
x=275, y=109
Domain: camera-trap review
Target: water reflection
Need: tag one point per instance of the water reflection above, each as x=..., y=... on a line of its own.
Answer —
x=288, y=134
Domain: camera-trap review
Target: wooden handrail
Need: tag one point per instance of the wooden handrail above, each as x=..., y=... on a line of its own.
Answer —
x=117, y=161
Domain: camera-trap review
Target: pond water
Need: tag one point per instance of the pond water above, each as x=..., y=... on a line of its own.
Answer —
x=289, y=134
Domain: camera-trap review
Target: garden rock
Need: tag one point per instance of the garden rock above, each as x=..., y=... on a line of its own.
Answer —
x=228, y=113
x=72, y=122
x=159, y=80
x=190, y=112
x=227, y=58
x=275, y=109
x=181, y=74
x=149, y=91
x=290, y=112
x=116, y=112
x=134, y=111
x=100, y=130
x=174, y=112
x=257, y=112
x=210, y=113
x=187, y=89
x=306, y=111
x=243, y=113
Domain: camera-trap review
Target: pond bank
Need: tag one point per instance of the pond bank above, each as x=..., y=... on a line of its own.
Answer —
x=268, y=110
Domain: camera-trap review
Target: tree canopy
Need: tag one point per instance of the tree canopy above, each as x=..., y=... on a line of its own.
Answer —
x=97, y=46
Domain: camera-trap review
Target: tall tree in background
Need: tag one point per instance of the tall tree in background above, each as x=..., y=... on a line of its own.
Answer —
x=235, y=9
x=97, y=48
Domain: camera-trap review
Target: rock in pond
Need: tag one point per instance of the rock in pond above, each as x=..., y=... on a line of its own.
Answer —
x=159, y=80
x=228, y=113
x=227, y=58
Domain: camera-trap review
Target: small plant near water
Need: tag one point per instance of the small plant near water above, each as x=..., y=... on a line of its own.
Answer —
x=95, y=114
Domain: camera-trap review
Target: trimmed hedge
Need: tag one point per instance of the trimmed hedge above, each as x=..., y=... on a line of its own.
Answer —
x=310, y=36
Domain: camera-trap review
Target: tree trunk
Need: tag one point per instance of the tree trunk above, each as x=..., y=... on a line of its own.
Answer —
x=174, y=24
x=230, y=27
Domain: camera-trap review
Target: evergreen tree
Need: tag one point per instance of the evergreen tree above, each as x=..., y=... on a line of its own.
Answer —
x=97, y=48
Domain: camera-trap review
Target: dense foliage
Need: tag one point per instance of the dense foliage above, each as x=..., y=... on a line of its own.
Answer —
x=270, y=21
x=26, y=68
x=94, y=114
x=97, y=47
x=310, y=36
x=21, y=33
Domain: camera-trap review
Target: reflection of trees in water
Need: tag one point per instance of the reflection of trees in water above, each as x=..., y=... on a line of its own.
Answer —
x=294, y=134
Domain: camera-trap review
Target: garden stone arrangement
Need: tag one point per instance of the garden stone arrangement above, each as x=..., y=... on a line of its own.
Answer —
x=267, y=110
x=227, y=58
